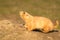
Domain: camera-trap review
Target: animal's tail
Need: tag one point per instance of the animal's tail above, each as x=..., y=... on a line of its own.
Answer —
x=57, y=24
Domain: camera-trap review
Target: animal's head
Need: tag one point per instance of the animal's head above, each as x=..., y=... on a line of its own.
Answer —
x=25, y=15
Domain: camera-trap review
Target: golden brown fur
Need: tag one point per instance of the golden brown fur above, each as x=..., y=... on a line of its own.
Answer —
x=36, y=22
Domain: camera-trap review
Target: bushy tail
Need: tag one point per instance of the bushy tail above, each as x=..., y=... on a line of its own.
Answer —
x=57, y=24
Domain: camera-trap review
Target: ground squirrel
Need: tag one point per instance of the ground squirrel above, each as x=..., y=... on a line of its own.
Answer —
x=37, y=22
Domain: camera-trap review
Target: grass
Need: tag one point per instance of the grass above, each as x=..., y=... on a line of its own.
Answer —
x=46, y=8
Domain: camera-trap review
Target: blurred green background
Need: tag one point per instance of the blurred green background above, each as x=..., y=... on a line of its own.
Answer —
x=9, y=9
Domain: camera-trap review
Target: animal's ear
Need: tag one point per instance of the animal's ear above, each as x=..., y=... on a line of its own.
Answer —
x=24, y=12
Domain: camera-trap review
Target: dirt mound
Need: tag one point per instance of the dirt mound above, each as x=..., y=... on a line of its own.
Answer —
x=11, y=31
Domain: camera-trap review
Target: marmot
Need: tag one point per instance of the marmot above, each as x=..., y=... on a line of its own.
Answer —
x=36, y=22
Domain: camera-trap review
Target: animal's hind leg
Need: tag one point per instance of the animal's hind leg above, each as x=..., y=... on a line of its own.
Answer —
x=45, y=29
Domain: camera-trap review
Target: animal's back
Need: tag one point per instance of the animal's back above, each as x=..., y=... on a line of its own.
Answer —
x=42, y=22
